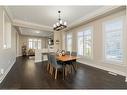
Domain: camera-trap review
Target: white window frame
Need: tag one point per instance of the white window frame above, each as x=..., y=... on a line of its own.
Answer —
x=83, y=30
x=112, y=61
x=78, y=43
x=35, y=43
x=67, y=41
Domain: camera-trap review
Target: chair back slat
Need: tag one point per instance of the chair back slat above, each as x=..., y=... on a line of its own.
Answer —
x=53, y=59
x=67, y=52
x=74, y=53
x=49, y=59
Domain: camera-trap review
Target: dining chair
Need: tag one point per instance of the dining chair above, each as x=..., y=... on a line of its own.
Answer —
x=49, y=63
x=55, y=65
x=73, y=62
x=73, y=53
x=67, y=53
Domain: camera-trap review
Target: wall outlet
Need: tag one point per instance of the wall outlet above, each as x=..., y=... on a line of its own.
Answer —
x=2, y=71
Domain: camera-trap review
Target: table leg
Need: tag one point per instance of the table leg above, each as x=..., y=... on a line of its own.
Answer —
x=74, y=67
x=63, y=71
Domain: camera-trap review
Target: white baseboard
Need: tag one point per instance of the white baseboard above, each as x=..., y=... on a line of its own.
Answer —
x=6, y=72
x=103, y=68
x=38, y=61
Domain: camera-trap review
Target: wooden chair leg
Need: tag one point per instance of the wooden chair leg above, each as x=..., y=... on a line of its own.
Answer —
x=70, y=69
x=55, y=73
x=47, y=66
x=51, y=70
x=76, y=66
x=65, y=71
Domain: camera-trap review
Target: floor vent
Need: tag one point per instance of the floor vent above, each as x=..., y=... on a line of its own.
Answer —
x=112, y=73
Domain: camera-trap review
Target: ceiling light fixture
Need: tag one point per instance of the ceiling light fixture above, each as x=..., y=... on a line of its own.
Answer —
x=37, y=31
x=60, y=24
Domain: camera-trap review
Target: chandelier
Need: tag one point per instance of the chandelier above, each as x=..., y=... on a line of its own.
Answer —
x=60, y=24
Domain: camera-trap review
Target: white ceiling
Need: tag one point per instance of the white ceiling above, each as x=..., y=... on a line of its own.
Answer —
x=33, y=32
x=47, y=15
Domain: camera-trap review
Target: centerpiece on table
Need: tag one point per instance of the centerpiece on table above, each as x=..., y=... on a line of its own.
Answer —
x=63, y=52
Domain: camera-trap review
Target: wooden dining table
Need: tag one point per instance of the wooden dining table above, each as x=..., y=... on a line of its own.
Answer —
x=65, y=60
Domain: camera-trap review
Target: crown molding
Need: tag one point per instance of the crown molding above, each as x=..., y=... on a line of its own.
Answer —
x=21, y=23
x=90, y=17
x=19, y=29
x=26, y=24
x=7, y=10
x=94, y=15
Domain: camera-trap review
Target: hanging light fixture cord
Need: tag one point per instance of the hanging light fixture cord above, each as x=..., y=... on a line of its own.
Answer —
x=59, y=15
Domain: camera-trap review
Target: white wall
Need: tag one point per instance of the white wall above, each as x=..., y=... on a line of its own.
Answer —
x=57, y=36
x=126, y=40
x=17, y=44
x=24, y=39
x=97, y=60
x=7, y=56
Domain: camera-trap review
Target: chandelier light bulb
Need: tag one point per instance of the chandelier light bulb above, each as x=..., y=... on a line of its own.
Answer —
x=65, y=23
x=57, y=24
x=61, y=21
x=54, y=25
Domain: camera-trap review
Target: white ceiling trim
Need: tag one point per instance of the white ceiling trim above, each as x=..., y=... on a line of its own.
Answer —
x=20, y=30
x=32, y=32
x=92, y=15
x=99, y=12
x=7, y=10
x=21, y=23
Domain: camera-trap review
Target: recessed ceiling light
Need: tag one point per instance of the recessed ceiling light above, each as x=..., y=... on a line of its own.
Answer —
x=37, y=31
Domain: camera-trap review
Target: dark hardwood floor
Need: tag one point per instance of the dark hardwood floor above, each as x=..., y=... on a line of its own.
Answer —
x=25, y=74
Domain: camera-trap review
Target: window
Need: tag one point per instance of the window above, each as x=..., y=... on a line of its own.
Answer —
x=80, y=43
x=34, y=43
x=113, y=49
x=88, y=42
x=6, y=31
x=69, y=42
x=85, y=42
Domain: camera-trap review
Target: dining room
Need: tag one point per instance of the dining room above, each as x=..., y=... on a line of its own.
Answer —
x=60, y=47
